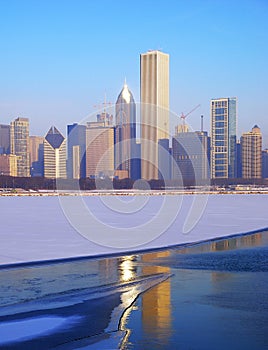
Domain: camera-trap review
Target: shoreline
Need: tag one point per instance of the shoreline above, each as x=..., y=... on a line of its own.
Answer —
x=131, y=193
x=37, y=263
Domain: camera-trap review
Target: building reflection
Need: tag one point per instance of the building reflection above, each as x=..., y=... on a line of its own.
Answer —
x=108, y=271
x=230, y=244
x=156, y=303
x=253, y=240
x=127, y=268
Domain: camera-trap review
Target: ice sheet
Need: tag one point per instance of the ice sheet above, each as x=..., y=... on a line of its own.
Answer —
x=44, y=228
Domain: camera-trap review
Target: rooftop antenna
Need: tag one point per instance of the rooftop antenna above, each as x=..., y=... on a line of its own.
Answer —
x=202, y=123
x=103, y=107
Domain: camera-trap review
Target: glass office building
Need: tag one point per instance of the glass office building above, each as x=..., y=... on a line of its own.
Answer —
x=223, y=137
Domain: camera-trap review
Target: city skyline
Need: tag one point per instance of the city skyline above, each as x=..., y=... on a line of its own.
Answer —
x=58, y=61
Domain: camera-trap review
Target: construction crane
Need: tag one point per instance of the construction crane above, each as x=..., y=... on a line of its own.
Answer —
x=183, y=116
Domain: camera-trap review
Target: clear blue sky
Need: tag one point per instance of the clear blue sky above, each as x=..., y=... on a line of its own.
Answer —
x=59, y=57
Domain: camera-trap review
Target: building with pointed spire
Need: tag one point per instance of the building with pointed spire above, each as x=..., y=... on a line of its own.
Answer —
x=54, y=154
x=125, y=132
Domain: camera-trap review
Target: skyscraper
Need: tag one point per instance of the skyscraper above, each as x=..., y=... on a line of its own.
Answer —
x=19, y=145
x=54, y=154
x=125, y=131
x=154, y=87
x=251, y=146
x=190, y=154
x=76, y=163
x=36, y=155
x=265, y=164
x=223, y=137
x=99, y=150
x=4, y=139
x=8, y=164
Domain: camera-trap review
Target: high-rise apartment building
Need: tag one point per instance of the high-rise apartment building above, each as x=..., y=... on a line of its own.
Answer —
x=99, y=150
x=154, y=87
x=54, y=154
x=223, y=138
x=4, y=139
x=36, y=149
x=76, y=162
x=251, y=147
x=19, y=145
x=125, y=132
x=8, y=164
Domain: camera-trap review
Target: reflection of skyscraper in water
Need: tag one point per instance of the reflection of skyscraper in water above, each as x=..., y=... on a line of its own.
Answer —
x=108, y=270
x=238, y=242
x=156, y=307
x=117, y=270
x=127, y=268
x=125, y=131
x=253, y=240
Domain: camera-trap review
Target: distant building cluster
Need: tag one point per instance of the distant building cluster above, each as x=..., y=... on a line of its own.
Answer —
x=109, y=147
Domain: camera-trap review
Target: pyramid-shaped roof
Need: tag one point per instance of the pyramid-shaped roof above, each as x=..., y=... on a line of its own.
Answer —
x=54, y=137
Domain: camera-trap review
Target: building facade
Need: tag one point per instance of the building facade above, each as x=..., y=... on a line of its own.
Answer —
x=99, y=150
x=4, y=139
x=223, y=138
x=19, y=145
x=190, y=152
x=8, y=165
x=154, y=89
x=251, y=148
x=265, y=164
x=76, y=162
x=125, y=132
x=54, y=154
x=36, y=148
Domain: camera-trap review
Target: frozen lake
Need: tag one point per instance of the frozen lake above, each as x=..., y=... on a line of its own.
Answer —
x=45, y=228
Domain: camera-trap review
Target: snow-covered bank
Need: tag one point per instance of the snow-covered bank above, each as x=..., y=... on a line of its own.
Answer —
x=43, y=228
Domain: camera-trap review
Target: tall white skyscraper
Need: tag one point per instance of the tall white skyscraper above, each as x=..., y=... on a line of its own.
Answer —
x=154, y=89
x=223, y=138
x=54, y=154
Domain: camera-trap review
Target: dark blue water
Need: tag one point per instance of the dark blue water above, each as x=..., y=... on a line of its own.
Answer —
x=208, y=296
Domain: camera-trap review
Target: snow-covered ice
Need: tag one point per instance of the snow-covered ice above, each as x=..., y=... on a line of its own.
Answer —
x=51, y=227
